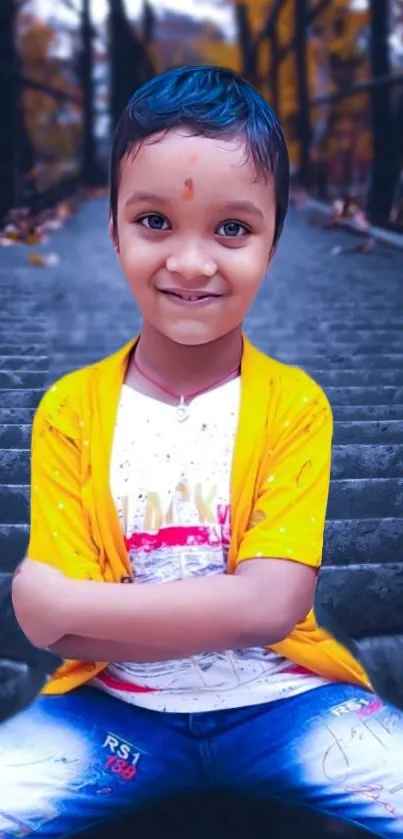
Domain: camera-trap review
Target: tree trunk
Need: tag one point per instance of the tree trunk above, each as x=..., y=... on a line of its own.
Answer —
x=246, y=46
x=90, y=174
x=130, y=65
x=16, y=151
x=382, y=182
x=304, y=123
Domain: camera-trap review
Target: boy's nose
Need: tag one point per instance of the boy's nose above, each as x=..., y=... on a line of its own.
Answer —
x=191, y=265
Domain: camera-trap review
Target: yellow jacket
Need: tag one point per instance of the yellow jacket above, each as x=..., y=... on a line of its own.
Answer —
x=279, y=489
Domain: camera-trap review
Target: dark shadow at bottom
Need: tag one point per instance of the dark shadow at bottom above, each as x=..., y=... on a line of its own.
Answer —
x=219, y=815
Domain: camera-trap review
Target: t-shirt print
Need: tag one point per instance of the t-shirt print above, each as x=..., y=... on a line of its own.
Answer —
x=171, y=486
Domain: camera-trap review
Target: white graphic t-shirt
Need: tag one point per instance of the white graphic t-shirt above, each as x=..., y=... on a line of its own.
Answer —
x=171, y=485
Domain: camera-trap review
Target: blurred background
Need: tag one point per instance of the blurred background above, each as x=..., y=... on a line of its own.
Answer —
x=333, y=70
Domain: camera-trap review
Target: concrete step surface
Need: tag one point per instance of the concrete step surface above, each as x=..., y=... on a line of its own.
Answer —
x=26, y=350
x=24, y=363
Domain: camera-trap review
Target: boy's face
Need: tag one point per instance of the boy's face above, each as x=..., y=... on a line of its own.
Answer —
x=194, y=234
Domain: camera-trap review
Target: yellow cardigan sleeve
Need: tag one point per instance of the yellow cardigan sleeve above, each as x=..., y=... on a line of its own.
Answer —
x=288, y=518
x=60, y=532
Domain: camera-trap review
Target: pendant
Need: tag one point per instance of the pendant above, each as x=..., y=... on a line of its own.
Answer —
x=182, y=410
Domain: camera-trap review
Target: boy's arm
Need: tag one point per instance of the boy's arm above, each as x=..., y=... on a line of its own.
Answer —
x=258, y=605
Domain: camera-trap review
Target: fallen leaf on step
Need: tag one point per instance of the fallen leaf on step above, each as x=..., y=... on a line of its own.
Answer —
x=46, y=260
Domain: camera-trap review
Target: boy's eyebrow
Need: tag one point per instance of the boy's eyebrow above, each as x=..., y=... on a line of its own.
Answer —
x=144, y=196
x=243, y=207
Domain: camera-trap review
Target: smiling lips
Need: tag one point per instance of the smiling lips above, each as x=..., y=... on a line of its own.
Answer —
x=177, y=295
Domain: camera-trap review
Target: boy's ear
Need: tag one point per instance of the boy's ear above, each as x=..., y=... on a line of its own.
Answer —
x=114, y=235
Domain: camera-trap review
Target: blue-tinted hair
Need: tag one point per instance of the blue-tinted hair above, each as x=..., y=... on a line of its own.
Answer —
x=211, y=102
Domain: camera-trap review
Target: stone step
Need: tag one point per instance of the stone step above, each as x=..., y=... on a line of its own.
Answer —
x=328, y=321
x=15, y=436
x=367, y=461
x=348, y=461
x=14, y=540
x=347, y=542
x=24, y=363
x=371, y=395
x=31, y=330
x=16, y=416
x=372, y=300
x=34, y=321
x=356, y=498
x=348, y=499
x=363, y=541
x=13, y=303
x=13, y=545
x=14, y=503
x=31, y=349
x=356, y=413
x=328, y=324
x=322, y=315
x=347, y=335
x=375, y=597
x=22, y=379
x=390, y=431
x=14, y=398
x=15, y=466
x=350, y=378
x=301, y=344
x=342, y=362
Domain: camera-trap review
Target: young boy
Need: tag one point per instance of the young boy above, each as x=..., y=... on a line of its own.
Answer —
x=196, y=468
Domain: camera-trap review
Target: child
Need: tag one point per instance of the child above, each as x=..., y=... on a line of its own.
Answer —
x=195, y=470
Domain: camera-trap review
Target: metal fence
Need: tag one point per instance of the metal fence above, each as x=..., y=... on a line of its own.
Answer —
x=327, y=162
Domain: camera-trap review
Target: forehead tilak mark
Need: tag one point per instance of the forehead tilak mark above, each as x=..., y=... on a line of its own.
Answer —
x=188, y=191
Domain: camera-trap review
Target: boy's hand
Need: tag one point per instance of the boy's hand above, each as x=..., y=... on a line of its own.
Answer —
x=39, y=594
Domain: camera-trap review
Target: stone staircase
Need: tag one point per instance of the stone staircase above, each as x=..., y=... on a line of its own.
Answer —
x=342, y=321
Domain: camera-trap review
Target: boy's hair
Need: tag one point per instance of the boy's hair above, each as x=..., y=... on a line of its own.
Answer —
x=211, y=102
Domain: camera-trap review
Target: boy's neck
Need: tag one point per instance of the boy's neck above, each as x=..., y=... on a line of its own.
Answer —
x=186, y=368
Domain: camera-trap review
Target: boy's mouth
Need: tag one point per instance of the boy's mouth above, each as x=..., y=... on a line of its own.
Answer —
x=191, y=297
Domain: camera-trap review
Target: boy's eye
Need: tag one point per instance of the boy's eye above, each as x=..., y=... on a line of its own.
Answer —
x=232, y=229
x=154, y=221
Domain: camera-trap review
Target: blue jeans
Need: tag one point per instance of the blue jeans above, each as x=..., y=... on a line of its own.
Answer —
x=69, y=762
